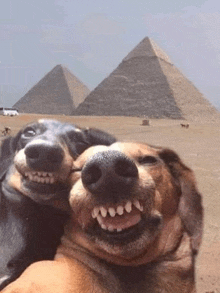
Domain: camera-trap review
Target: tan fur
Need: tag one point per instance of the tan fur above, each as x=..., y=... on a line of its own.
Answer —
x=159, y=261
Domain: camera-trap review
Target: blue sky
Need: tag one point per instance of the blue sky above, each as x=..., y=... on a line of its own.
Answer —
x=91, y=37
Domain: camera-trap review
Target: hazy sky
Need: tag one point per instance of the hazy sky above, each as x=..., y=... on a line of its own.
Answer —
x=91, y=37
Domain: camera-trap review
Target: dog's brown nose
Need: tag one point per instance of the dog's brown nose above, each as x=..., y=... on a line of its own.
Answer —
x=44, y=155
x=109, y=173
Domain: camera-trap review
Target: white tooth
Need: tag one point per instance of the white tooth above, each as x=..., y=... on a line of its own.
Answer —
x=119, y=229
x=103, y=227
x=103, y=212
x=112, y=212
x=128, y=207
x=47, y=180
x=52, y=180
x=30, y=176
x=110, y=228
x=42, y=180
x=38, y=179
x=44, y=174
x=39, y=173
x=95, y=212
x=99, y=219
x=120, y=210
x=138, y=206
x=50, y=174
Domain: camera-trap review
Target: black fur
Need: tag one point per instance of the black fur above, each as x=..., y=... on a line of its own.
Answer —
x=31, y=227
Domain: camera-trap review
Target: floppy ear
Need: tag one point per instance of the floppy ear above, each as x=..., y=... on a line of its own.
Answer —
x=7, y=151
x=98, y=137
x=190, y=205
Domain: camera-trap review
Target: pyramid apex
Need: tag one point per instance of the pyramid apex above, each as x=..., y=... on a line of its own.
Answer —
x=148, y=48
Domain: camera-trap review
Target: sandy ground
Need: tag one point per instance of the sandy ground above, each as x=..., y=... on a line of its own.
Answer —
x=198, y=146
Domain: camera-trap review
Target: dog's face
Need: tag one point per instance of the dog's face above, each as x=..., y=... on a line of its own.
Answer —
x=43, y=157
x=132, y=203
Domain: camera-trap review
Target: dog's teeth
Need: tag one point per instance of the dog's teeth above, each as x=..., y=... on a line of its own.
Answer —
x=42, y=180
x=99, y=219
x=110, y=228
x=47, y=180
x=44, y=174
x=51, y=180
x=95, y=212
x=30, y=176
x=128, y=207
x=119, y=230
x=138, y=206
x=112, y=212
x=50, y=174
x=103, y=212
x=120, y=210
x=103, y=227
x=39, y=173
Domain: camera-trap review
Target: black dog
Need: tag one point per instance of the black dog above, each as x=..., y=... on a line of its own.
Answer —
x=34, y=169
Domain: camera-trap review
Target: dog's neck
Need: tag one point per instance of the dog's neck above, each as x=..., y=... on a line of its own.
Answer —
x=163, y=274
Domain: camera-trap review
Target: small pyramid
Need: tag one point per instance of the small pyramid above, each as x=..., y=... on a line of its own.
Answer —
x=146, y=83
x=58, y=92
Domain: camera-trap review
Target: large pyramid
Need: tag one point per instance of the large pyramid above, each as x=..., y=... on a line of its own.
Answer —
x=146, y=83
x=58, y=92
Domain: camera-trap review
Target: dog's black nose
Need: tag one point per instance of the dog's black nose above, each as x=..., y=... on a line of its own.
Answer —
x=44, y=155
x=109, y=172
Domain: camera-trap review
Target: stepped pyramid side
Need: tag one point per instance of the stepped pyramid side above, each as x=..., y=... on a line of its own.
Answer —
x=58, y=92
x=146, y=83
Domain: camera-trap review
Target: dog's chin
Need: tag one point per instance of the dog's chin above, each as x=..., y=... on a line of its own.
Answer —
x=130, y=241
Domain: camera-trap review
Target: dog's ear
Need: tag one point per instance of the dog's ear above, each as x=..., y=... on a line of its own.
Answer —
x=6, y=156
x=7, y=151
x=190, y=205
x=98, y=137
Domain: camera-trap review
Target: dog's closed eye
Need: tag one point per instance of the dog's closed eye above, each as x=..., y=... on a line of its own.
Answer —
x=148, y=160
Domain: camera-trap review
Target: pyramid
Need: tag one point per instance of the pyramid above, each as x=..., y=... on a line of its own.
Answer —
x=58, y=92
x=147, y=84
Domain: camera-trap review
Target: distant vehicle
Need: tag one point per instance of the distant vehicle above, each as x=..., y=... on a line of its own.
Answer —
x=8, y=112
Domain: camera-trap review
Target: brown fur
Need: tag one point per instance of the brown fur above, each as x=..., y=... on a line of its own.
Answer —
x=159, y=258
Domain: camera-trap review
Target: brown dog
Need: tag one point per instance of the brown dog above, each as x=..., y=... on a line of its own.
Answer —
x=136, y=226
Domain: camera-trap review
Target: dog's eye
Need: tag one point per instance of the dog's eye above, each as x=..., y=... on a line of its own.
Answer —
x=147, y=160
x=29, y=132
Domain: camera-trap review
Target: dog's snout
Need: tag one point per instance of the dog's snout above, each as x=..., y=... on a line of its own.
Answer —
x=109, y=172
x=44, y=155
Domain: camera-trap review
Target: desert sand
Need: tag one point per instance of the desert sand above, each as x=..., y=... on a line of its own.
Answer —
x=198, y=146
